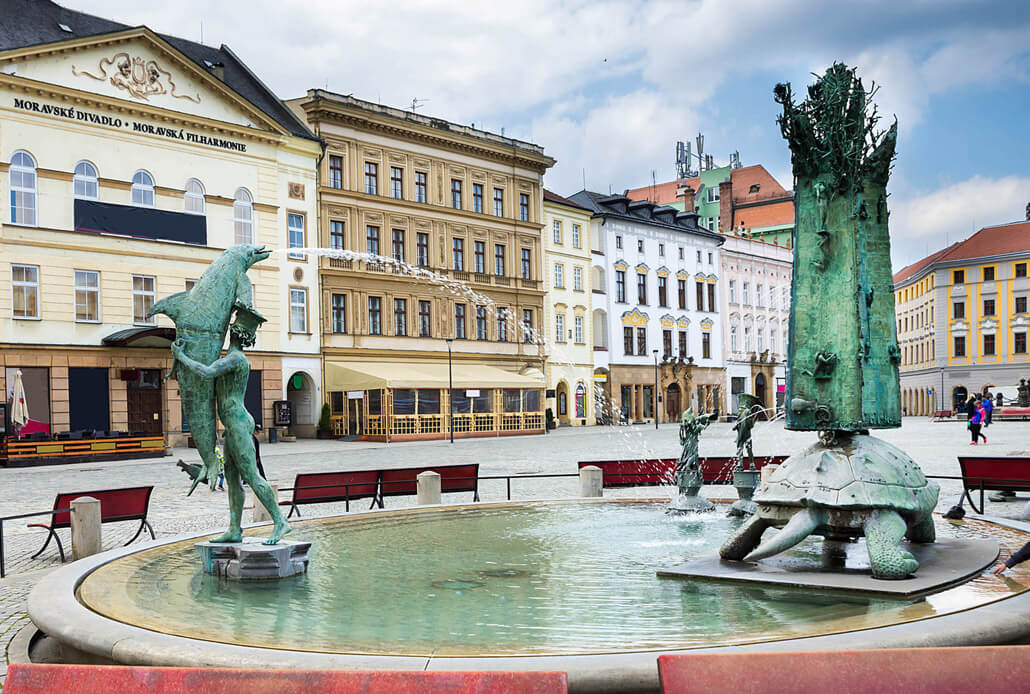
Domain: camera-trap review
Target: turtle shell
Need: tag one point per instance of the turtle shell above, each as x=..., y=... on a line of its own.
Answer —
x=858, y=472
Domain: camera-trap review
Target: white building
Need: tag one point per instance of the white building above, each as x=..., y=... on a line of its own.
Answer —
x=659, y=273
x=755, y=306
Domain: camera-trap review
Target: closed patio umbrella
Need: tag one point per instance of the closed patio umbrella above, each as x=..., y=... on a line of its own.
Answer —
x=19, y=409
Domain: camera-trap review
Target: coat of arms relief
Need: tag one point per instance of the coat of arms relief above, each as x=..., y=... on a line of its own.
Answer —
x=140, y=77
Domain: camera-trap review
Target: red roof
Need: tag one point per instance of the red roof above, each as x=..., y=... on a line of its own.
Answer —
x=554, y=197
x=989, y=241
x=772, y=214
x=742, y=180
x=661, y=193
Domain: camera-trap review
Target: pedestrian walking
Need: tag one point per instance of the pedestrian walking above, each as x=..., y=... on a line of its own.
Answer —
x=970, y=407
x=975, y=422
x=988, y=404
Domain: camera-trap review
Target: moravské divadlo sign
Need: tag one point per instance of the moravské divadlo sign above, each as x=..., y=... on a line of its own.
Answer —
x=80, y=115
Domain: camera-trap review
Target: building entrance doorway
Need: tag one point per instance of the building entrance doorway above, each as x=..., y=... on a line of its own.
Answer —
x=355, y=410
x=760, y=388
x=143, y=396
x=672, y=402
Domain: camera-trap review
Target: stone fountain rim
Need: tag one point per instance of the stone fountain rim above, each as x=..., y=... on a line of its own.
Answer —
x=54, y=608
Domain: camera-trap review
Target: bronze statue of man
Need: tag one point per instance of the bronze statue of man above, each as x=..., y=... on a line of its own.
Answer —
x=748, y=409
x=230, y=375
x=691, y=427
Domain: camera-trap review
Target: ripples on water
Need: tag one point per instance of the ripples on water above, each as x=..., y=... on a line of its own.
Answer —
x=561, y=578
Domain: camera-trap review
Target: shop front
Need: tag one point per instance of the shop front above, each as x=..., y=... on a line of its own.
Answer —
x=401, y=402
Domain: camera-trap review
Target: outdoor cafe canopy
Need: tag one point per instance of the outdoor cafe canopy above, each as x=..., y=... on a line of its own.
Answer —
x=353, y=375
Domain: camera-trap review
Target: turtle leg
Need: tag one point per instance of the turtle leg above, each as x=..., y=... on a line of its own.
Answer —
x=922, y=529
x=747, y=537
x=883, y=531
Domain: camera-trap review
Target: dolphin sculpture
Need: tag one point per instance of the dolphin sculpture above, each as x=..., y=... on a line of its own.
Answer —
x=201, y=316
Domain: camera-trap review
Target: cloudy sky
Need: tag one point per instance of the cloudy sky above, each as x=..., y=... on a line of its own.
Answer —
x=609, y=86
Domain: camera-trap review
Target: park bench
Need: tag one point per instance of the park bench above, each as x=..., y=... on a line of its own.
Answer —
x=323, y=487
x=994, y=473
x=968, y=670
x=941, y=415
x=93, y=679
x=125, y=504
x=658, y=472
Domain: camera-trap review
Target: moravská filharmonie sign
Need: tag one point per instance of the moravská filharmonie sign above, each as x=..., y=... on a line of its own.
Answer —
x=77, y=114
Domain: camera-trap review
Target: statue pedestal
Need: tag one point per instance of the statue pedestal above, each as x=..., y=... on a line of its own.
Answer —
x=746, y=481
x=252, y=560
x=689, y=482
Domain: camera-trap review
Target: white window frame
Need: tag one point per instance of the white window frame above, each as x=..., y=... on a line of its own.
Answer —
x=84, y=289
x=143, y=295
x=576, y=236
x=243, y=216
x=618, y=241
x=338, y=313
x=87, y=178
x=295, y=234
x=559, y=327
x=578, y=329
x=193, y=201
x=298, y=301
x=142, y=192
x=758, y=295
x=733, y=338
x=577, y=278
x=733, y=291
x=746, y=296
x=25, y=285
x=559, y=276
x=26, y=193
x=661, y=250
x=557, y=231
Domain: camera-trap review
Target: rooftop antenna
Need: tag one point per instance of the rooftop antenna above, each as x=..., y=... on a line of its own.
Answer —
x=735, y=160
x=654, y=188
x=584, y=178
x=418, y=103
x=202, y=31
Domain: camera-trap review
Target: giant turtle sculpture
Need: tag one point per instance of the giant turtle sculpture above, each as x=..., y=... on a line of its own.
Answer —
x=856, y=485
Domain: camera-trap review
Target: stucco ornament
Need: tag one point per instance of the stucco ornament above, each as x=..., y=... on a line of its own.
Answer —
x=842, y=361
x=140, y=77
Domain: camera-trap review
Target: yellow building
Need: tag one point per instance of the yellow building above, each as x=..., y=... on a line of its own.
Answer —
x=963, y=320
x=130, y=161
x=448, y=287
x=567, y=312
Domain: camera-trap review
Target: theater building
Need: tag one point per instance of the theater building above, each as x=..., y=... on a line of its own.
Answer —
x=447, y=287
x=129, y=161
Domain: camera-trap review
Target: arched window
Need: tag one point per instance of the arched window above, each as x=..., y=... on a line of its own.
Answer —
x=84, y=182
x=243, y=216
x=581, y=393
x=193, y=199
x=23, y=189
x=142, y=189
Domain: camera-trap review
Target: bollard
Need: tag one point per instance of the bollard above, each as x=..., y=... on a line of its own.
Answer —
x=591, y=481
x=1026, y=512
x=428, y=488
x=260, y=515
x=85, y=527
x=767, y=471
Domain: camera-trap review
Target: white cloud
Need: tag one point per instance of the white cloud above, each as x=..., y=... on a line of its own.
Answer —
x=922, y=224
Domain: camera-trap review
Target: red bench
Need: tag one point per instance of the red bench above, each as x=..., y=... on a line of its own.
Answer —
x=659, y=472
x=453, y=478
x=93, y=679
x=127, y=503
x=888, y=671
x=323, y=487
x=994, y=473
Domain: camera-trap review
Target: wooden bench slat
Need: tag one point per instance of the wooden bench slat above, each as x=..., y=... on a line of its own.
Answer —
x=658, y=472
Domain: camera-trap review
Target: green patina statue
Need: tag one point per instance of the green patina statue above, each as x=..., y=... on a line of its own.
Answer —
x=843, y=354
x=748, y=409
x=688, y=476
x=212, y=387
x=201, y=316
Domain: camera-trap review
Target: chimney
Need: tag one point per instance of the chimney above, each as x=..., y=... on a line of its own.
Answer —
x=687, y=193
x=726, y=207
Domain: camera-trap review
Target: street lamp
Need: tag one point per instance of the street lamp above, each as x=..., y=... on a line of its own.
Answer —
x=450, y=390
x=655, y=352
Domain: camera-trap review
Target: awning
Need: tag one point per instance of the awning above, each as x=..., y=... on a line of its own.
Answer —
x=141, y=337
x=355, y=375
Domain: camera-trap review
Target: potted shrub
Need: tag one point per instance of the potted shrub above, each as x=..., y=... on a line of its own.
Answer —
x=325, y=427
x=289, y=436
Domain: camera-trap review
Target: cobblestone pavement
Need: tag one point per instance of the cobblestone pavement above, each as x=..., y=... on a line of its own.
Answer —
x=933, y=445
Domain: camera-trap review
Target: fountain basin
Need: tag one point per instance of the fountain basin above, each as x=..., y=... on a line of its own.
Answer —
x=566, y=585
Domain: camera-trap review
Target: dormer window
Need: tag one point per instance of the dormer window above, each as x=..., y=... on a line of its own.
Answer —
x=65, y=28
x=755, y=187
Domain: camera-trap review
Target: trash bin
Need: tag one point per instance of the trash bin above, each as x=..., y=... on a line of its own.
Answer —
x=273, y=435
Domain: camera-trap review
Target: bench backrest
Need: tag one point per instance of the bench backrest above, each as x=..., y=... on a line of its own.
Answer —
x=911, y=670
x=998, y=467
x=657, y=472
x=128, y=503
x=453, y=478
x=89, y=679
x=316, y=487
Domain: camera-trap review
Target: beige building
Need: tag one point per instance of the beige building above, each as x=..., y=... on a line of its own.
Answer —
x=437, y=274
x=130, y=161
x=567, y=311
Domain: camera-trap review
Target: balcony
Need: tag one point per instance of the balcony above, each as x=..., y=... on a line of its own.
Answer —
x=502, y=281
x=529, y=284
